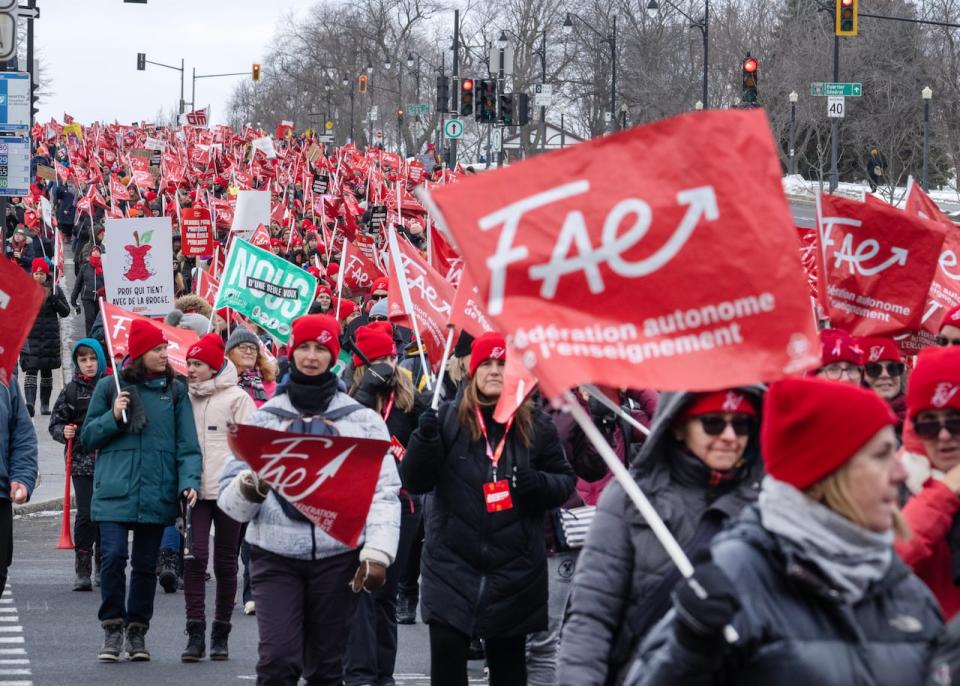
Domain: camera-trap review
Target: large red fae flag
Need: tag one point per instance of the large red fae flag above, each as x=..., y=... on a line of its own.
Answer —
x=117, y=329
x=638, y=256
x=875, y=264
x=331, y=480
x=20, y=300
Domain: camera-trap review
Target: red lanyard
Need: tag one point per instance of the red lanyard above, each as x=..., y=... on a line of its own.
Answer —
x=494, y=455
x=386, y=410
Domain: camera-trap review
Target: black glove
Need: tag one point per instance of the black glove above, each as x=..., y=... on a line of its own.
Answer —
x=705, y=604
x=600, y=413
x=525, y=483
x=376, y=380
x=76, y=308
x=429, y=426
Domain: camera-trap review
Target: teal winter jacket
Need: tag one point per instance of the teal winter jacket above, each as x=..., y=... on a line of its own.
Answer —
x=139, y=475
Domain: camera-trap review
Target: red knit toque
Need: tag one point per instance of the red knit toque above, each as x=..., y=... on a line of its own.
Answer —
x=209, y=350
x=144, y=337
x=837, y=345
x=373, y=343
x=39, y=264
x=720, y=402
x=347, y=307
x=489, y=346
x=322, y=288
x=381, y=284
x=812, y=426
x=935, y=381
x=951, y=318
x=879, y=350
x=321, y=328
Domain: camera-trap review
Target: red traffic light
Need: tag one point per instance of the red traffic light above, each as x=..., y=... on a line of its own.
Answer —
x=467, y=84
x=846, y=3
x=749, y=65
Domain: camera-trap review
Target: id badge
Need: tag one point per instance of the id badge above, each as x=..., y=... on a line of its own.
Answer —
x=497, y=495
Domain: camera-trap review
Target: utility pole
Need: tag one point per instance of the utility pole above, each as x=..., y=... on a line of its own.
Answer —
x=452, y=162
x=543, y=80
x=613, y=80
x=31, y=4
x=835, y=123
x=502, y=88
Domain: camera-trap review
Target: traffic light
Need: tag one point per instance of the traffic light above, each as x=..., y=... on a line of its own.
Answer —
x=362, y=83
x=506, y=109
x=487, y=105
x=523, y=109
x=750, y=68
x=466, y=97
x=141, y=61
x=256, y=72
x=443, y=94
x=845, y=15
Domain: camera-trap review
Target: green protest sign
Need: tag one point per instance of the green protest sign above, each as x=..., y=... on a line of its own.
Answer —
x=268, y=289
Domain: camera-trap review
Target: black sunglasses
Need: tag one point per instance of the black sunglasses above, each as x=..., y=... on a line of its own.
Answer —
x=943, y=341
x=374, y=296
x=376, y=318
x=875, y=369
x=930, y=428
x=716, y=424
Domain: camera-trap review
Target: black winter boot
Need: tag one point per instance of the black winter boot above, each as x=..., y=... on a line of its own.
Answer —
x=30, y=393
x=196, y=649
x=406, y=609
x=112, y=641
x=83, y=565
x=46, y=388
x=167, y=570
x=218, y=640
x=96, y=566
x=136, y=646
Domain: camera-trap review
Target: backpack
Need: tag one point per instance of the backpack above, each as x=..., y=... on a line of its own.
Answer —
x=298, y=424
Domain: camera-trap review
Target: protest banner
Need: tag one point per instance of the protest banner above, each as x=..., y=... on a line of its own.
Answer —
x=206, y=286
x=136, y=264
x=359, y=272
x=268, y=289
x=252, y=209
x=635, y=256
x=945, y=290
x=261, y=237
x=46, y=173
x=331, y=480
x=467, y=312
x=116, y=326
x=875, y=265
x=196, y=231
x=20, y=301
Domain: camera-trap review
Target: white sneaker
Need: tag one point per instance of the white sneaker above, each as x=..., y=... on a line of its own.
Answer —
x=249, y=608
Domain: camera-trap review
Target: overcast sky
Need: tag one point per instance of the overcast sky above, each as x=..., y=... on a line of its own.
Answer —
x=90, y=52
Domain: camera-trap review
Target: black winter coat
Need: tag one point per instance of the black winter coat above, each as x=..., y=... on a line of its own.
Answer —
x=66, y=201
x=623, y=579
x=80, y=391
x=794, y=628
x=86, y=285
x=484, y=574
x=42, y=349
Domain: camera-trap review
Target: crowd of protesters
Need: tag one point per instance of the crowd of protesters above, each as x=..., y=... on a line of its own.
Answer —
x=820, y=512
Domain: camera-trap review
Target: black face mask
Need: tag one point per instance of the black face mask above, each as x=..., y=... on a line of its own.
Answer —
x=311, y=394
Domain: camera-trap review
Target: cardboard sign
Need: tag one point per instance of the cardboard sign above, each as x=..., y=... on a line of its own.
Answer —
x=637, y=256
x=196, y=231
x=136, y=264
x=46, y=173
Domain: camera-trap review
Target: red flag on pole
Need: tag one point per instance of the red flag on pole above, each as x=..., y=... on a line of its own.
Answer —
x=330, y=479
x=117, y=328
x=20, y=300
x=635, y=256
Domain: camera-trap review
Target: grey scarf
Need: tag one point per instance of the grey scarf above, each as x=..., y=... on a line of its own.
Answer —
x=848, y=555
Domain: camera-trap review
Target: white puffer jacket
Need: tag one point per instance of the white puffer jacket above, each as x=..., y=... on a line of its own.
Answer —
x=217, y=402
x=272, y=530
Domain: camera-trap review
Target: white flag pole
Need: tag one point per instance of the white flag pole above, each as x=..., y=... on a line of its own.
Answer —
x=113, y=361
x=343, y=262
x=443, y=368
x=636, y=496
x=619, y=411
x=397, y=265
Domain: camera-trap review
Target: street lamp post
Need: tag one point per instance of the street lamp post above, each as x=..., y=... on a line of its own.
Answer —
x=501, y=86
x=926, y=94
x=793, y=132
x=704, y=26
x=611, y=40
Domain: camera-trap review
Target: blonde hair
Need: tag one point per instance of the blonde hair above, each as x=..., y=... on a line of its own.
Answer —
x=833, y=491
x=403, y=391
x=467, y=414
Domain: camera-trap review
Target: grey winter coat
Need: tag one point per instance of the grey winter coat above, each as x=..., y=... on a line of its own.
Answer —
x=620, y=588
x=794, y=628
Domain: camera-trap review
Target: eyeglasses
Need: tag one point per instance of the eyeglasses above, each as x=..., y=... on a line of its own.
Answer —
x=875, y=369
x=930, y=428
x=943, y=341
x=376, y=318
x=247, y=348
x=716, y=424
x=838, y=369
x=374, y=296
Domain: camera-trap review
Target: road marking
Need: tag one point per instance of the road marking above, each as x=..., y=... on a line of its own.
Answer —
x=12, y=666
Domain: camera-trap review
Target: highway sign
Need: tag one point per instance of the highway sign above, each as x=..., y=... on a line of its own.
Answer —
x=414, y=109
x=826, y=89
x=453, y=128
x=835, y=106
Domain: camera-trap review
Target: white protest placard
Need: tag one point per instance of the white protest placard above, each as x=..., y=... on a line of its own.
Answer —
x=138, y=264
x=252, y=210
x=265, y=145
x=155, y=144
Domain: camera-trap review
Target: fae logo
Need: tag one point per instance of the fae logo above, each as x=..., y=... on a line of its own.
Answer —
x=943, y=394
x=498, y=353
x=324, y=337
x=732, y=402
x=875, y=352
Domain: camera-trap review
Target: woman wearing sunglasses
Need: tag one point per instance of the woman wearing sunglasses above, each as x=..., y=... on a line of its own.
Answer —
x=808, y=578
x=933, y=481
x=883, y=371
x=699, y=467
